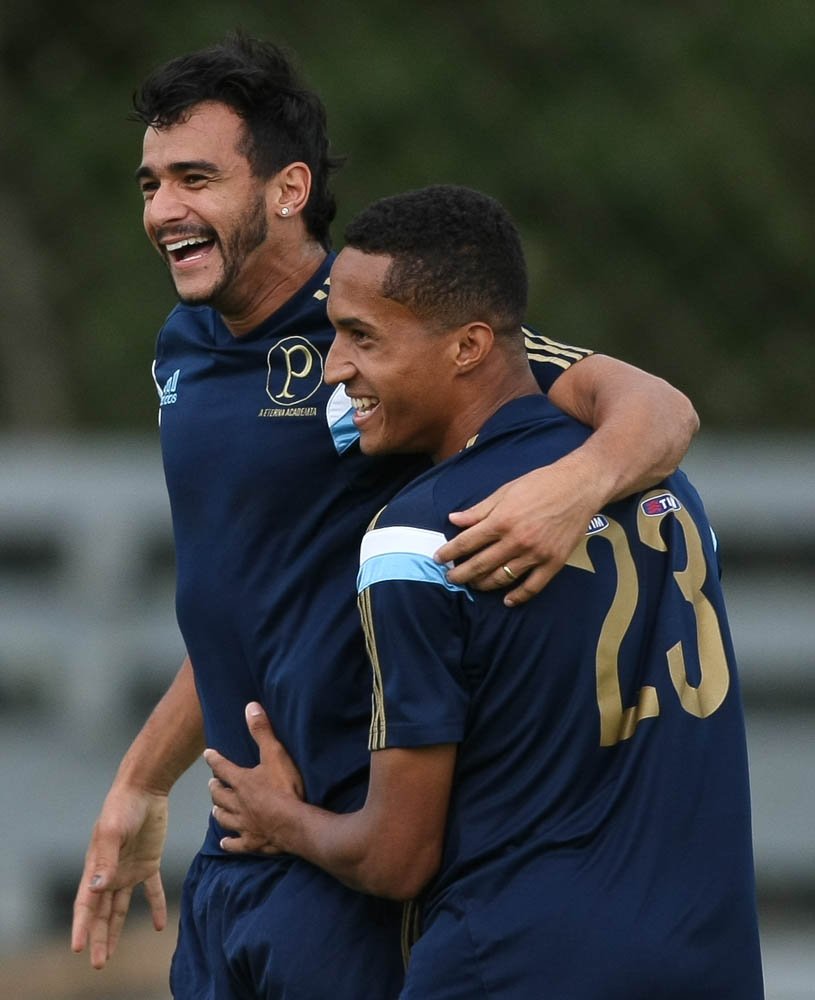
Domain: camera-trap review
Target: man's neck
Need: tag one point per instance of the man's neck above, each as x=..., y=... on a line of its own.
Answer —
x=480, y=400
x=283, y=278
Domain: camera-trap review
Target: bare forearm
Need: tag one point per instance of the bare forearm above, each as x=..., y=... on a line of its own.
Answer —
x=170, y=741
x=390, y=847
x=526, y=530
x=128, y=837
x=340, y=844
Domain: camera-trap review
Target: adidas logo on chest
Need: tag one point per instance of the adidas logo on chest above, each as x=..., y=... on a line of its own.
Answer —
x=169, y=394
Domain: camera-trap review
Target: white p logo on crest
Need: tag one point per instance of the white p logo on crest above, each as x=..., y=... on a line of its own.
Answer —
x=295, y=371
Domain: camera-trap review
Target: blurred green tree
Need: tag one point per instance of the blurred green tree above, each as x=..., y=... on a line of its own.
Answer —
x=658, y=159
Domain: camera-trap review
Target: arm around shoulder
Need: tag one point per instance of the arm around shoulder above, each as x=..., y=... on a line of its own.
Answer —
x=643, y=426
x=529, y=527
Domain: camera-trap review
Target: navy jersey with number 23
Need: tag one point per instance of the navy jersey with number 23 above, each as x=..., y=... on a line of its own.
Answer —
x=598, y=844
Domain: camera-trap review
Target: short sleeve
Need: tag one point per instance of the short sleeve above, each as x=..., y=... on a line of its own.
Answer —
x=415, y=623
x=549, y=359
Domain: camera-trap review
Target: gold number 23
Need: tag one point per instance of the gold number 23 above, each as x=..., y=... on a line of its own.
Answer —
x=617, y=722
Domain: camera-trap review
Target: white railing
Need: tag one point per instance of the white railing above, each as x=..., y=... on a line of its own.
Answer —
x=87, y=623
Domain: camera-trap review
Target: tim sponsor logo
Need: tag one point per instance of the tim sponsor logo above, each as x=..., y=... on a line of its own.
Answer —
x=659, y=505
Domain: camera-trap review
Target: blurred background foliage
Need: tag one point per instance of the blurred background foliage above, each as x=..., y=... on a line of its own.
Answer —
x=658, y=157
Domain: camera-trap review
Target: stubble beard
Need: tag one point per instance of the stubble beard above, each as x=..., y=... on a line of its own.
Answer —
x=248, y=233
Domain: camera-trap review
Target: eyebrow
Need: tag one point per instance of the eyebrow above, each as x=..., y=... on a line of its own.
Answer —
x=180, y=167
x=350, y=321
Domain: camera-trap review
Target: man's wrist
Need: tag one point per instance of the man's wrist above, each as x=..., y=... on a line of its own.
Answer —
x=596, y=477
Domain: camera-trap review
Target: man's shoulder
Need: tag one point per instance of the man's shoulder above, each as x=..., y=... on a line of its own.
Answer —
x=416, y=504
x=526, y=434
x=189, y=321
x=401, y=543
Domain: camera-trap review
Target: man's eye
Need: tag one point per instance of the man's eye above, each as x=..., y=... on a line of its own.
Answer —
x=195, y=180
x=148, y=188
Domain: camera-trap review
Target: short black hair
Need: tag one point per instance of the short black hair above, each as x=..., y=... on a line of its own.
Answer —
x=285, y=121
x=457, y=255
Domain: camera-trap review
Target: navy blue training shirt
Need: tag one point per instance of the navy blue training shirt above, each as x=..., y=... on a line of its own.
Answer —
x=270, y=497
x=598, y=841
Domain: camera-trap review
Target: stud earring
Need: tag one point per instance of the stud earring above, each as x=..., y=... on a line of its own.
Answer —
x=284, y=211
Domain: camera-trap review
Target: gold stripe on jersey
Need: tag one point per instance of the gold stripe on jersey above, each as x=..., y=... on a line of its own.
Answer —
x=541, y=348
x=411, y=927
x=378, y=730
x=320, y=294
x=411, y=911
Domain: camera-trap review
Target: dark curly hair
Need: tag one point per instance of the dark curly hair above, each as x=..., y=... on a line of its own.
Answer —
x=284, y=120
x=457, y=256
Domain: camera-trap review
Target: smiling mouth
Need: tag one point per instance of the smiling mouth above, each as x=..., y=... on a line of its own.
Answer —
x=189, y=249
x=363, y=405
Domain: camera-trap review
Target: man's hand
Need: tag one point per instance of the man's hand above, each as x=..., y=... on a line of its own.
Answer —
x=125, y=850
x=250, y=800
x=642, y=429
x=526, y=530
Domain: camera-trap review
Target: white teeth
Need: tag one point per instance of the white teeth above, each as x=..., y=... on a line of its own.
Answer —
x=364, y=402
x=191, y=241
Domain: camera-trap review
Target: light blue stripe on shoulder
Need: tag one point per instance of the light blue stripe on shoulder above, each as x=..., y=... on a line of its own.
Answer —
x=405, y=566
x=403, y=552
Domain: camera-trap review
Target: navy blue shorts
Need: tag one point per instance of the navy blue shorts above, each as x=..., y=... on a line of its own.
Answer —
x=552, y=930
x=280, y=929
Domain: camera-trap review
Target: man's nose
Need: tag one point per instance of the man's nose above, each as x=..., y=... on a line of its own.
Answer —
x=338, y=367
x=164, y=206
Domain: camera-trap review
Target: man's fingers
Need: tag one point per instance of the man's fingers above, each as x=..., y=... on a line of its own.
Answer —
x=258, y=723
x=226, y=819
x=226, y=807
x=223, y=769
x=92, y=898
x=85, y=907
x=221, y=795
x=488, y=571
x=232, y=845
x=154, y=892
x=243, y=844
x=479, y=511
x=469, y=543
x=485, y=569
x=100, y=872
x=531, y=585
x=272, y=751
x=99, y=930
x=118, y=913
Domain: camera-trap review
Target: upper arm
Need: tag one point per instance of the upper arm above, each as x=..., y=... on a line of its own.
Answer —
x=588, y=391
x=414, y=630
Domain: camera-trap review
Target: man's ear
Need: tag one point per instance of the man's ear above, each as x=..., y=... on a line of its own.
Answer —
x=475, y=341
x=289, y=189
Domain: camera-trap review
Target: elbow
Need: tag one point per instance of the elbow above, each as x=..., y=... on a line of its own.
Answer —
x=687, y=425
x=692, y=422
x=412, y=881
x=402, y=878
